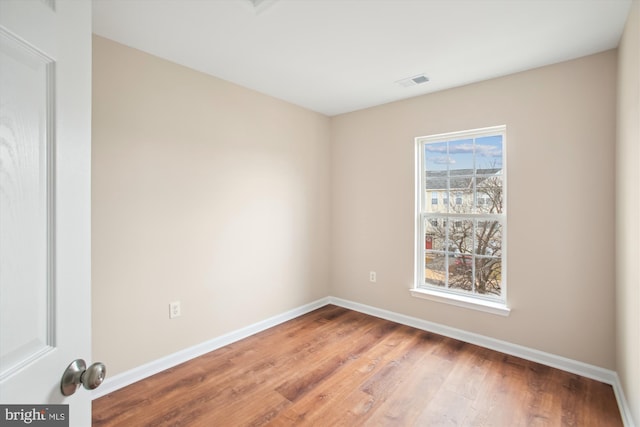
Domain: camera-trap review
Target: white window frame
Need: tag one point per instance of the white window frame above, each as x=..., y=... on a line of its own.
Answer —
x=491, y=304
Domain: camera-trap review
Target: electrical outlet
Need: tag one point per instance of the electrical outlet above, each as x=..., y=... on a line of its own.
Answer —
x=174, y=309
x=372, y=276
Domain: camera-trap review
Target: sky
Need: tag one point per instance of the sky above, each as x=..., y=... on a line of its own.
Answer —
x=485, y=153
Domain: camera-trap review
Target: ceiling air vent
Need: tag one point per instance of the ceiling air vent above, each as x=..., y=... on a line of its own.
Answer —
x=258, y=5
x=413, y=81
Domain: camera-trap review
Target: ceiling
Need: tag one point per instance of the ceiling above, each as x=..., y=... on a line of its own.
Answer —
x=337, y=56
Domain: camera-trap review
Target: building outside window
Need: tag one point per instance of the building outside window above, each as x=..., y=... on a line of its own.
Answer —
x=466, y=255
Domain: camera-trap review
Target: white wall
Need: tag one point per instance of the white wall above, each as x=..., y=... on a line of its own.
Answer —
x=203, y=192
x=560, y=157
x=628, y=213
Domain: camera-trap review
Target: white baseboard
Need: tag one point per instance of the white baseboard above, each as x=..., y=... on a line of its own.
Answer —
x=576, y=367
x=625, y=411
x=573, y=366
x=131, y=376
x=590, y=371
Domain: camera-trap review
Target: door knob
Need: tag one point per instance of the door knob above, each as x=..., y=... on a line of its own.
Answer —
x=77, y=373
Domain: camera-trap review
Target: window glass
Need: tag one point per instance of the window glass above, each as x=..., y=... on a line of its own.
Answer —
x=464, y=228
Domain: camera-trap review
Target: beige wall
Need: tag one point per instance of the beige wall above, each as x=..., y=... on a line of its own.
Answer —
x=560, y=158
x=628, y=213
x=203, y=192
x=242, y=206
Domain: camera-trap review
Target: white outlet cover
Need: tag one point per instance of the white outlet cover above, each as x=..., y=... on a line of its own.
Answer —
x=174, y=309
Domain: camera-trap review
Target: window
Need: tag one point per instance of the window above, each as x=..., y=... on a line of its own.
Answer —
x=466, y=258
x=434, y=197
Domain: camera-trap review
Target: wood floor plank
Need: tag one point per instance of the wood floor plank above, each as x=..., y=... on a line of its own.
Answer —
x=334, y=390
x=337, y=367
x=420, y=388
x=378, y=380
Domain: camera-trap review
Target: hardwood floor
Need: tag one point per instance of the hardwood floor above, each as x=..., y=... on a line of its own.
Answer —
x=337, y=367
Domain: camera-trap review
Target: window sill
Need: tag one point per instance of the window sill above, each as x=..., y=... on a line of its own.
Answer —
x=462, y=301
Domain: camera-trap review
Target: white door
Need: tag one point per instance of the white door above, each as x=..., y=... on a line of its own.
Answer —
x=45, y=200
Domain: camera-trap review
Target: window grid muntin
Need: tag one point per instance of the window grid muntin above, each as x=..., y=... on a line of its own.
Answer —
x=475, y=219
x=475, y=215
